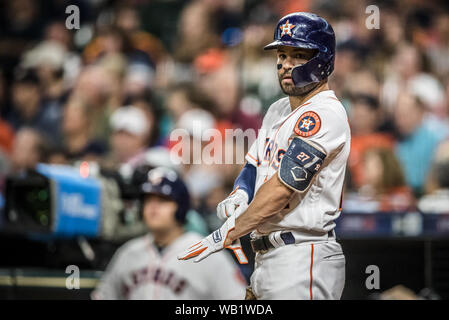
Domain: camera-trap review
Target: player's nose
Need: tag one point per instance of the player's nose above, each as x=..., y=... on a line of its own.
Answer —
x=287, y=64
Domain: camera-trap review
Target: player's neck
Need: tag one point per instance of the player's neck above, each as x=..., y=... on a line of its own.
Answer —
x=296, y=101
x=165, y=238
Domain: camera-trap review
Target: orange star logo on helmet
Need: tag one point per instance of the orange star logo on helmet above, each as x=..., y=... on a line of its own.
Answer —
x=287, y=28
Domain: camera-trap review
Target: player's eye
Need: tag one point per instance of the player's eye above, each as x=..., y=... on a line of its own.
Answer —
x=282, y=56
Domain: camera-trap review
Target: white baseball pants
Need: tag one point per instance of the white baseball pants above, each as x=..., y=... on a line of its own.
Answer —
x=304, y=271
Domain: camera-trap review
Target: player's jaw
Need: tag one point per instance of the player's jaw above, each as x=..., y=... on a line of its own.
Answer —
x=288, y=86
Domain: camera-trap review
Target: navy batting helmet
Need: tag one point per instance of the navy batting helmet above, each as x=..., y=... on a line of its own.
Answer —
x=166, y=182
x=308, y=31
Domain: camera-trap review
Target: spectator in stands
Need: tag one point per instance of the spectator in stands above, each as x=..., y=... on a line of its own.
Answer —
x=96, y=87
x=417, y=141
x=78, y=132
x=128, y=20
x=147, y=106
x=197, y=150
x=438, y=49
x=115, y=41
x=129, y=139
x=57, y=155
x=217, y=75
x=347, y=61
x=406, y=74
x=6, y=137
x=48, y=59
x=138, y=80
x=196, y=31
x=3, y=93
x=257, y=78
x=438, y=200
x=6, y=132
x=28, y=150
x=365, y=120
x=57, y=32
x=178, y=101
x=4, y=171
x=384, y=181
x=28, y=109
x=362, y=82
x=20, y=24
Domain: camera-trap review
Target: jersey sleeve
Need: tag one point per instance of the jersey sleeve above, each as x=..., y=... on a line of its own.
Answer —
x=317, y=135
x=110, y=284
x=253, y=156
x=323, y=128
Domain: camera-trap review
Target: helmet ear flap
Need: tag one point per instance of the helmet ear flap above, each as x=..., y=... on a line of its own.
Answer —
x=313, y=71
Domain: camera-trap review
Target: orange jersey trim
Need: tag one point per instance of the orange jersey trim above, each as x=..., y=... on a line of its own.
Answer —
x=311, y=273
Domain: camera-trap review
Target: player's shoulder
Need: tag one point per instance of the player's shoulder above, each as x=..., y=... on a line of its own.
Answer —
x=279, y=106
x=325, y=108
x=322, y=115
x=276, y=109
x=328, y=104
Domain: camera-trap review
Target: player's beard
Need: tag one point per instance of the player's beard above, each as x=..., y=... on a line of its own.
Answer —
x=291, y=90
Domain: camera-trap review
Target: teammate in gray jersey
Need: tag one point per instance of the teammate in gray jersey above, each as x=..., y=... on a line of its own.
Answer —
x=147, y=267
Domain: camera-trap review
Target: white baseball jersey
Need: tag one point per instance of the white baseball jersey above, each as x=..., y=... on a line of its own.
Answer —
x=139, y=271
x=322, y=122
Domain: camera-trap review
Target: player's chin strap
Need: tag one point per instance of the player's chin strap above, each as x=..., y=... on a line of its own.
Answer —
x=215, y=242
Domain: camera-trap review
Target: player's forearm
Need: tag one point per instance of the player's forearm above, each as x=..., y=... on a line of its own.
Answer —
x=269, y=200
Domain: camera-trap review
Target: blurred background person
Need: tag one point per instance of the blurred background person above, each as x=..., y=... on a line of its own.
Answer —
x=197, y=150
x=129, y=138
x=28, y=108
x=417, y=141
x=29, y=149
x=147, y=268
x=365, y=120
x=384, y=181
x=438, y=200
x=100, y=89
x=48, y=59
x=79, y=141
x=436, y=197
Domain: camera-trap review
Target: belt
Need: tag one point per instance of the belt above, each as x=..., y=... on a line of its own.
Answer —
x=263, y=244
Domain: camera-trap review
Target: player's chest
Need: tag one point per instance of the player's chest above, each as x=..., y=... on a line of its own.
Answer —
x=278, y=136
x=151, y=277
x=274, y=143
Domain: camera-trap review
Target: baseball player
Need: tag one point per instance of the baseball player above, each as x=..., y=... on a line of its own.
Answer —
x=294, y=175
x=147, y=267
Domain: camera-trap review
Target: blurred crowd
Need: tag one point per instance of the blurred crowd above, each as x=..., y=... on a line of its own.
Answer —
x=113, y=90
